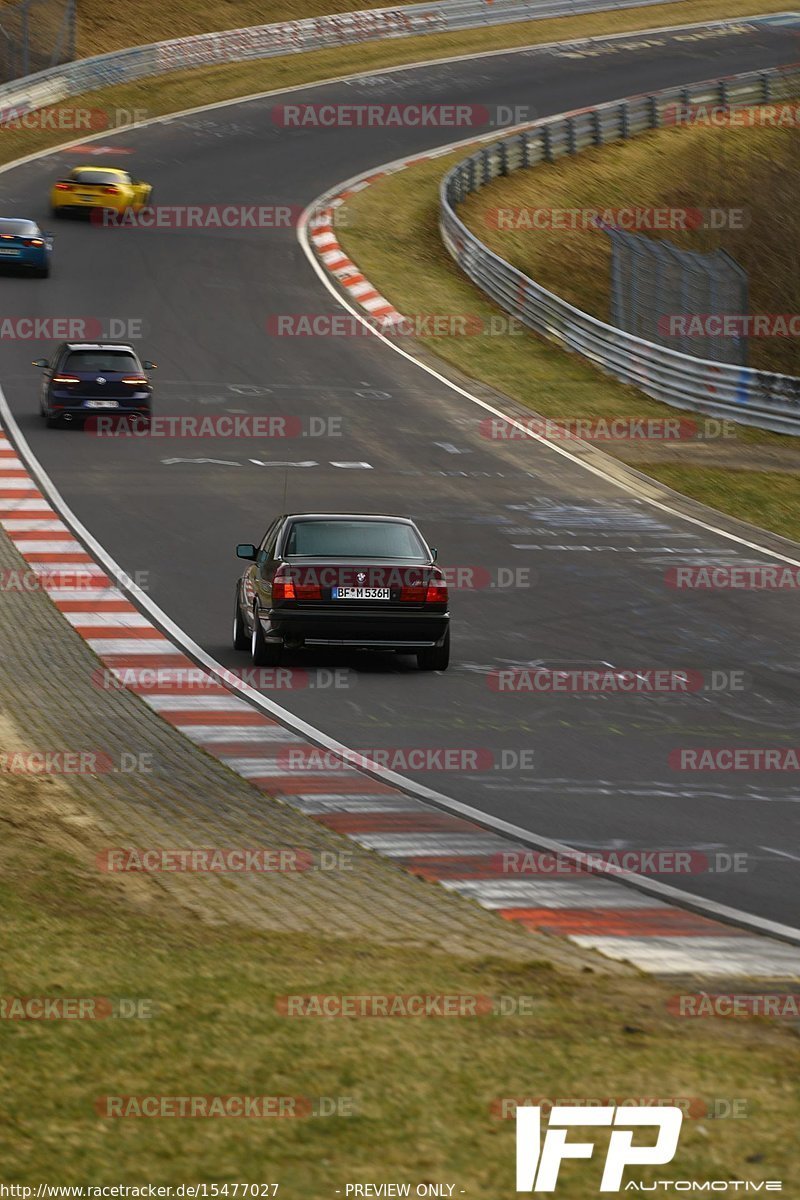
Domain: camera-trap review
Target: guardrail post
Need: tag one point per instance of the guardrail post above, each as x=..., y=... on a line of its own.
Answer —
x=571, y=139
x=723, y=93
x=665, y=373
x=503, y=149
x=471, y=173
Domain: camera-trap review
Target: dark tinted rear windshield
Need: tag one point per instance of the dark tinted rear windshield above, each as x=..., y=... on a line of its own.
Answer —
x=101, y=360
x=354, y=539
x=104, y=177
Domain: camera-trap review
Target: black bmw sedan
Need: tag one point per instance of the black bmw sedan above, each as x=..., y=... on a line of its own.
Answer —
x=325, y=579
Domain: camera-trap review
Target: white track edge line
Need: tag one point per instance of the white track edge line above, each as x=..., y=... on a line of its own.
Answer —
x=709, y=908
x=699, y=904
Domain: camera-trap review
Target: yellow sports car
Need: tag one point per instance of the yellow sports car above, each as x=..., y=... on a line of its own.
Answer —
x=91, y=188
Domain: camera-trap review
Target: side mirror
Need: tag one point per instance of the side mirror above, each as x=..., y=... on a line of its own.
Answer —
x=434, y=553
x=40, y=362
x=149, y=366
x=246, y=550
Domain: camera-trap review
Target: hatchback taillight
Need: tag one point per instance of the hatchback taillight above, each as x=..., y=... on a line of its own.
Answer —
x=284, y=587
x=66, y=379
x=436, y=592
x=63, y=187
x=111, y=191
x=139, y=380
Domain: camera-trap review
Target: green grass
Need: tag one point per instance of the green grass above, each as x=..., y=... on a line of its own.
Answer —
x=414, y=271
x=421, y=1089
x=102, y=27
x=105, y=29
x=755, y=171
x=773, y=496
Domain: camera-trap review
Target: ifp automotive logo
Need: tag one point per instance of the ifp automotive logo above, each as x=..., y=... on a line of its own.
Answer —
x=538, y=1162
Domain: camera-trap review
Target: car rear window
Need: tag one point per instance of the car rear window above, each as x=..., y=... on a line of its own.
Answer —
x=354, y=539
x=103, y=177
x=17, y=228
x=101, y=360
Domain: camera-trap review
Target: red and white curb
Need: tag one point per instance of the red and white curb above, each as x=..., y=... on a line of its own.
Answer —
x=433, y=845
x=336, y=262
x=461, y=855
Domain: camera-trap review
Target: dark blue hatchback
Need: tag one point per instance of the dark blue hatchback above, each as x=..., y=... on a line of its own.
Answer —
x=94, y=379
x=23, y=246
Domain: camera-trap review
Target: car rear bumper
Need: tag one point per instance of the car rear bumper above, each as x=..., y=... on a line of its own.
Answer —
x=137, y=408
x=395, y=630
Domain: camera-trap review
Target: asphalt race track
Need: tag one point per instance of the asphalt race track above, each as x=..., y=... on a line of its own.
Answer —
x=588, y=562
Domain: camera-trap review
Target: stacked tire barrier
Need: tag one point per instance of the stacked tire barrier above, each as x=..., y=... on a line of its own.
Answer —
x=769, y=401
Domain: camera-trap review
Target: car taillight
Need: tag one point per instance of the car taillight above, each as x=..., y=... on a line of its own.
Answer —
x=437, y=590
x=34, y=241
x=286, y=588
x=66, y=379
x=63, y=187
x=110, y=191
x=139, y=380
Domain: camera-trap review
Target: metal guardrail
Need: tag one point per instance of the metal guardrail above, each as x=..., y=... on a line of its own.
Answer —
x=284, y=37
x=35, y=35
x=769, y=401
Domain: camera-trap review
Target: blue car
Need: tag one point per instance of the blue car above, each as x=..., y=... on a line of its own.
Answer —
x=22, y=244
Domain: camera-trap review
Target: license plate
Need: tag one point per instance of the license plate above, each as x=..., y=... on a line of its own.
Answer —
x=359, y=593
x=81, y=196
x=9, y=253
x=102, y=403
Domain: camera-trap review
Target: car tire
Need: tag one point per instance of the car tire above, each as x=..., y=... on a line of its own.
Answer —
x=262, y=652
x=51, y=422
x=42, y=272
x=241, y=639
x=435, y=658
